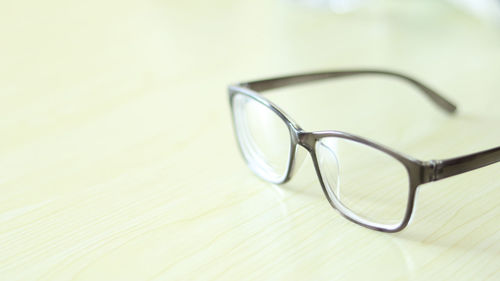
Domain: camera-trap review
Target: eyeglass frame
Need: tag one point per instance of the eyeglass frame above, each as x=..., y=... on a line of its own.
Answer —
x=419, y=172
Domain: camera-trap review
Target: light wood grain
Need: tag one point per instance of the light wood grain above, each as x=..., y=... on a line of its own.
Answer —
x=118, y=161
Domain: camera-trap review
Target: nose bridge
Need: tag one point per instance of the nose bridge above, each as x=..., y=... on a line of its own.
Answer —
x=306, y=139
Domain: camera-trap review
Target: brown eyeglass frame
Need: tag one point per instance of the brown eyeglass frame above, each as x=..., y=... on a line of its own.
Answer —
x=420, y=172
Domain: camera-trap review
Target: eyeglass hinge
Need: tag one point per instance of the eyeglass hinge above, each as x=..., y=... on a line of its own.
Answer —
x=433, y=171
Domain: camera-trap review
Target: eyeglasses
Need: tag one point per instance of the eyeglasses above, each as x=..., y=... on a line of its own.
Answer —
x=368, y=183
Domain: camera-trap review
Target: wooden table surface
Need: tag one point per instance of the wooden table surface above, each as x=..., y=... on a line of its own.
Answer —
x=118, y=160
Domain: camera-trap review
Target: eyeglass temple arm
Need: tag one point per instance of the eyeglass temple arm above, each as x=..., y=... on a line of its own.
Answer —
x=455, y=166
x=273, y=83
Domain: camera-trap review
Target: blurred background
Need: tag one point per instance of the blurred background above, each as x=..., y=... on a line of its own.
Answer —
x=56, y=56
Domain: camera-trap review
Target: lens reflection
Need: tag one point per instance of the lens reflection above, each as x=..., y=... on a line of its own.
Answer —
x=263, y=136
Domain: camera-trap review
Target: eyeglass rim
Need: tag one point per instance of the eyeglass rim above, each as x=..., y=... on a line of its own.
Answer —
x=415, y=168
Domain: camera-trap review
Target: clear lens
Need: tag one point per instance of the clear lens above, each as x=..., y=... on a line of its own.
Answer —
x=364, y=183
x=263, y=136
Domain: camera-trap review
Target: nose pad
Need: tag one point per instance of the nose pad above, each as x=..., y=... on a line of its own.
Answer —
x=329, y=166
x=300, y=155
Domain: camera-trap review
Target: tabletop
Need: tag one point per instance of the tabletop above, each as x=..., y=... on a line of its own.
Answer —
x=118, y=159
